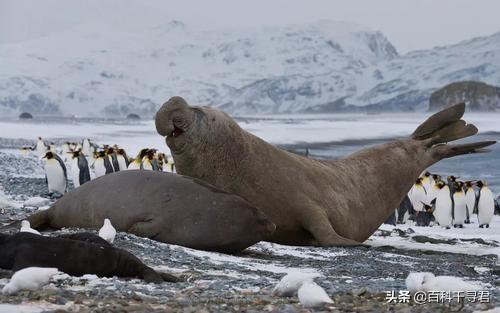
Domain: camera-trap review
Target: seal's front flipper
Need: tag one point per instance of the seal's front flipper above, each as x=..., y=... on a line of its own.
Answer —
x=145, y=228
x=169, y=277
x=320, y=228
x=151, y=276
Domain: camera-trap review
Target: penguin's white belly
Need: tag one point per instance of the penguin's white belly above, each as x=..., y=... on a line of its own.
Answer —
x=147, y=165
x=41, y=149
x=470, y=200
x=418, y=196
x=442, y=213
x=460, y=208
x=86, y=148
x=485, y=206
x=99, y=168
x=134, y=166
x=433, y=191
x=55, y=176
x=75, y=172
x=121, y=163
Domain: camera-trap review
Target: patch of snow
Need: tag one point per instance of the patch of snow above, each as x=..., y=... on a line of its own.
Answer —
x=470, y=231
x=36, y=202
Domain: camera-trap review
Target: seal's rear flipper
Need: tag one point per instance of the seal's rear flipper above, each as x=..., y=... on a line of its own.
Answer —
x=448, y=151
x=446, y=126
x=439, y=120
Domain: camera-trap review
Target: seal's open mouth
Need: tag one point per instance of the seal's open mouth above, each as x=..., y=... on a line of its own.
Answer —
x=176, y=132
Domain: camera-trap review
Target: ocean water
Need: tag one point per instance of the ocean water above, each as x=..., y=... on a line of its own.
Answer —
x=484, y=166
x=326, y=136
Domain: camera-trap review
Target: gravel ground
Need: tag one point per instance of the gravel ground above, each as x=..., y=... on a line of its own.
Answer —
x=356, y=278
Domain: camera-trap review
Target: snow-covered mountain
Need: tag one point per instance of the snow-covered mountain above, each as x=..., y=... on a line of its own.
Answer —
x=326, y=66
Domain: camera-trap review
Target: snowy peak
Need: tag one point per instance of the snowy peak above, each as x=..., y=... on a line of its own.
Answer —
x=319, y=67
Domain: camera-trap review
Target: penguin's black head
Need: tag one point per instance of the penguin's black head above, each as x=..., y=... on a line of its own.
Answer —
x=418, y=181
x=427, y=174
x=480, y=183
x=436, y=177
x=142, y=153
x=120, y=151
x=76, y=153
x=468, y=184
x=39, y=138
x=458, y=185
x=440, y=184
x=49, y=155
x=452, y=178
x=101, y=154
x=110, y=150
x=151, y=153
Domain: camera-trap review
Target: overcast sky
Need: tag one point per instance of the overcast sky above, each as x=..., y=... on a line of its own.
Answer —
x=409, y=25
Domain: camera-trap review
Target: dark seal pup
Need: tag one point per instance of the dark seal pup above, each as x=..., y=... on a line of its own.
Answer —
x=74, y=257
x=312, y=202
x=161, y=206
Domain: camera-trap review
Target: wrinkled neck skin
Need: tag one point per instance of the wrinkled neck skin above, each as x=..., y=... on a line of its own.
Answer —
x=222, y=161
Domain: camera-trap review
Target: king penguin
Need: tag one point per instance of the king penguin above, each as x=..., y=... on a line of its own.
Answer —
x=434, y=189
x=40, y=147
x=418, y=195
x=443, y=210
x=171, y=164
x=122, y=159
x=459, y=205
x=149, y=161
x=485, y=205
x=79, y=169
x=426, y=181
x=66, y=151
x=112, y=159
x=470, y=200
x=405, y=209
x=102, y=166
x=136, y=164
x=55, y=173
x=86, y=147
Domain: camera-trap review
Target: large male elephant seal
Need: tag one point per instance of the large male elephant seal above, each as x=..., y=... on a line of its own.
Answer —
x=312, y=202
x=73, y=257
x=162, y=206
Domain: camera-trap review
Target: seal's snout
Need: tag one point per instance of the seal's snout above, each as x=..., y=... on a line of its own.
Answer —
x=164, y=120
x=164, y=125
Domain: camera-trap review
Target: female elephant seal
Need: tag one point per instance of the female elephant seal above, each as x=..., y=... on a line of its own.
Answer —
x=312, y=202
x=162, y=206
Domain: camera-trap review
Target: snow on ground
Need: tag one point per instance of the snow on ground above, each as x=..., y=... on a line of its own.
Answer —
x=491, y=237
